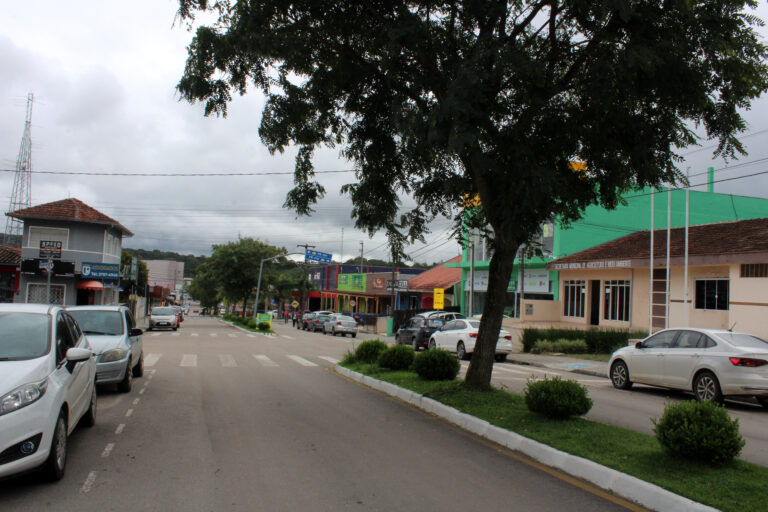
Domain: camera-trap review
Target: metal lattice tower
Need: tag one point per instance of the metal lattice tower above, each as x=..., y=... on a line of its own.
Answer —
x=22, y=180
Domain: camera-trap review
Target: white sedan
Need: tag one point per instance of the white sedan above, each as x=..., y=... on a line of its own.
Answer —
x=711, y=363
x=47, y=387
x=459, y=336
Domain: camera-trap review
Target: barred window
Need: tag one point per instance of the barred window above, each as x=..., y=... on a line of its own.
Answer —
x=754, y=270
x=574, y=298
x=617, y=295
x=712, y=294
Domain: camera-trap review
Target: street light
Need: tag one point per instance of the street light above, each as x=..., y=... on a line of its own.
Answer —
x=258, y=286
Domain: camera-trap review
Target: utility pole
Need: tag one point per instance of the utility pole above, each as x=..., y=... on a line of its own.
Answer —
x=303, y=291
x=394, y=290
x=341, y=252
x=361, y=256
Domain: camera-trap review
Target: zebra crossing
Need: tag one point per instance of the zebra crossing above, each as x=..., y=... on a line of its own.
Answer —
x=155, y=334
x=229, y=360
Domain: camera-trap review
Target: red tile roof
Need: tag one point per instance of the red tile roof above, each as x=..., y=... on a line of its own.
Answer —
x=10, y=255
x=722, y=238
x=68, y=209
x=437, y=277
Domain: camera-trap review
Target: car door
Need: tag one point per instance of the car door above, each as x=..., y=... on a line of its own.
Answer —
x=444, y=338
x=647, y=363
x=133, y=341
x=681, y=359
x=75, y=377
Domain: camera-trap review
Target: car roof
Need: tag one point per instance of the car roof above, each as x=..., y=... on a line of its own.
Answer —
x=96, y=308
x=30, y=308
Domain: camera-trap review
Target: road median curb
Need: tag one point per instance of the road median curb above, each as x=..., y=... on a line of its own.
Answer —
x=626, y=486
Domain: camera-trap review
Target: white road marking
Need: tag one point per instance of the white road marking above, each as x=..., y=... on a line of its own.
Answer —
x=142, y=390
x=136, y=401
x=301, y=360
x=329, y=359
x=107, y=450
x=88, y=485
x=151, y=359
x=264, y=360
x=251, y=335
x=155, y=334
x=212, y=334
x=176, y=334
x=287, y=337
x=119, y=429
x=227, y=360
x=194, y=334
x=232, y=335
x=129, y=413
x=189, y=360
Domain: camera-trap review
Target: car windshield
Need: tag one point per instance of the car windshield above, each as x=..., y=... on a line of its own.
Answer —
x=744, y=340
x=23, y=335
x=163, y=311
x=99, y=322
x=346, y=319
x=322, y=318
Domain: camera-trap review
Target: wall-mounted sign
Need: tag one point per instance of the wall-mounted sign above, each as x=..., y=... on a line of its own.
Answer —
x=50, y=249
x=400, y=284
x=379, y=283
x=593, y=264
x=438, y=301
x=92, y=270
x=352, y=283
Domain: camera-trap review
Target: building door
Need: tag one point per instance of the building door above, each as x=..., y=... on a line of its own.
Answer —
x=594, y=309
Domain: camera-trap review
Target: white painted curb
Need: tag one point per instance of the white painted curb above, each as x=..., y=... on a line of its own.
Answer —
x=639, y=491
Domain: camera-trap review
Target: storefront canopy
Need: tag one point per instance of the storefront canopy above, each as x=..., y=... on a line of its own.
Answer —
x=89, y=285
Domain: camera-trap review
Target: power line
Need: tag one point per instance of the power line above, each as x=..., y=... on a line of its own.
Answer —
x=177, y=175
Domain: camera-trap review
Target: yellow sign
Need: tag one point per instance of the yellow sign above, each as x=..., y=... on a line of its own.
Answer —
x=264, y=317
x=438, y=302
x=295, y=304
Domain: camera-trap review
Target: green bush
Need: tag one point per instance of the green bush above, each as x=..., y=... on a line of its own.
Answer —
x=263, y=326
x=560, y=346
x=369, y=351
x=397, y=357
x=598, y=342
x=557, y=398
x=436, y=364
x=252, y=323
x=700, y=431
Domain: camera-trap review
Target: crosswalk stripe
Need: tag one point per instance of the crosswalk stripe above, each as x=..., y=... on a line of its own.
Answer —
x=188, y=360
x=194, y=334
x=301, y=360
x=155, y=334
x=287, y=337
x=213, y=334
x=251, y=335
x=176, y=334
x=232, y=335
x=329, y=359
x=227, y=360
x=264, y=360
x=151, y=359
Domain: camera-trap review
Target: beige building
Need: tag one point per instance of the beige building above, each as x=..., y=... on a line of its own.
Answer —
x=609, y=285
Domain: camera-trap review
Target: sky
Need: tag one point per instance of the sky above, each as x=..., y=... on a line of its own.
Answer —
x=103, y=75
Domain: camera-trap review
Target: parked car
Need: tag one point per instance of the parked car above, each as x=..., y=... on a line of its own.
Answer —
x=711, y=363
x=306, y=318
x=318, y=322
x=340, y=324
x=179, y=313
x=417, y=330
x=163, y=317
x=115, y=341
x=47, y=387
x=460, y=335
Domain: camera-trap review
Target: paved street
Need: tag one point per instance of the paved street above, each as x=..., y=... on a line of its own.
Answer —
x=226, y=420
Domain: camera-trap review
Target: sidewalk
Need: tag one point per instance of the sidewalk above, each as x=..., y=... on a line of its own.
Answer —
x=571, y=364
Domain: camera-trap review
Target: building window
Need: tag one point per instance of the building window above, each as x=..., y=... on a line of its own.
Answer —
x=617, y=295
x=38, y=294
x=38, y=234
x=754, y=270
x=574, y=293
x=112, y=244
x=712, y=294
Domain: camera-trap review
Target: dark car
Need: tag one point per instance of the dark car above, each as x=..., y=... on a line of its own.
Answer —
x=304, y=320
x=417, y=329
x=316, y=324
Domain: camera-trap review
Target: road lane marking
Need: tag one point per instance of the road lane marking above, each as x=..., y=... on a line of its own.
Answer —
x=251, y=335
x=88, y=485
x=155, y=334
x=142, y=390
x=287, y=337
x=264, y=360
x=176, y=334
x=188, y=360
x=227, y=360
x=329, y=359
x=301, y=360
x=129, y=413
x=136, y=401
x=194, y=334
x=151, y=359
x=119, y=429
x=107, y=450
x=212, y=334
x=232, y=335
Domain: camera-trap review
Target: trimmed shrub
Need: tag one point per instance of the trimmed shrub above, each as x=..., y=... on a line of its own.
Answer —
x=397, y=357
x=560, y=346
x=701, y=431
x=263, y=326
x=369, y=351
x=436, y=364
x=598, y=342
x=349, y=358
x=557, y=398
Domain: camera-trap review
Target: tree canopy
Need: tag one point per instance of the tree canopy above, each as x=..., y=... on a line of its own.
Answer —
x=444, y=101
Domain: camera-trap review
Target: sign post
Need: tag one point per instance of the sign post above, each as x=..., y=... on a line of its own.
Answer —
x=47, y=265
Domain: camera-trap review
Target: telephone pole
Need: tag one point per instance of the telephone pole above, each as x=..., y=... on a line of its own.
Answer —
x=361, y=256
x=303, y=290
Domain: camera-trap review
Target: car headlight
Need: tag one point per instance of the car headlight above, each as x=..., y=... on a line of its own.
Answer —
x=22, y=396
x=115, y=354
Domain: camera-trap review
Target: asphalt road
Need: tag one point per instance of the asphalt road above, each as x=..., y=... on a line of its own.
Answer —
x=226, y=421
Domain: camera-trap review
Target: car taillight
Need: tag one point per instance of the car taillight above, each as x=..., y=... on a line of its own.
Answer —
x=355, y=325
x=508, y=337
x=747, y=361
x=338, y=323
x=473, y=335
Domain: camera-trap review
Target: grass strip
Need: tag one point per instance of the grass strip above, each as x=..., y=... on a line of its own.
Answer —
x=736, y=487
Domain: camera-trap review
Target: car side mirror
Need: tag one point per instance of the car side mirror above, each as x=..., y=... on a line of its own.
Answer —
x=135, y=332
x=75, y=354
x=639, y=344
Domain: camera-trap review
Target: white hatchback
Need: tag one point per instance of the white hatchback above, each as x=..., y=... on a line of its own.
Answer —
x=47, y=386
x=711, y=363
x=460, y=336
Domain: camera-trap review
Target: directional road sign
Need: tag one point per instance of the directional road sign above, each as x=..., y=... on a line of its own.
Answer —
x=320, y=257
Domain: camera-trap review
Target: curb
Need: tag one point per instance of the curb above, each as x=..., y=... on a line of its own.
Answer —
x=583, y=371
x=631, y=488
x=232, y=324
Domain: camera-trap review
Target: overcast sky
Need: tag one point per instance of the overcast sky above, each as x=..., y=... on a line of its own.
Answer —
x=103, y=74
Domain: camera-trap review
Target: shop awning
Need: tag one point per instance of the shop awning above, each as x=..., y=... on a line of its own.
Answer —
x=89, y=285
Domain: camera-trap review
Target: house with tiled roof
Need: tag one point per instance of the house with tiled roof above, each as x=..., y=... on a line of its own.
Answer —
x=634, y=282
x=439, y=277
x=78, y=245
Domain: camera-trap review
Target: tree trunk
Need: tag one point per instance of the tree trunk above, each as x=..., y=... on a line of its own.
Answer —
x=481, y=366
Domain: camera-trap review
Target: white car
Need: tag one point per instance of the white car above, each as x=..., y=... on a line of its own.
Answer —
x=164, y=317
x=47, y=386
x=711, y=363
x=460, y=335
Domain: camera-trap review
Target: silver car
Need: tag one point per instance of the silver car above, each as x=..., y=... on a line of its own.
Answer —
x=163, y=317
x=116, y=343
x=340, y=324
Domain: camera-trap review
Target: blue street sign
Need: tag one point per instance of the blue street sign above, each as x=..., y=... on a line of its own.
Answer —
x=320, y=257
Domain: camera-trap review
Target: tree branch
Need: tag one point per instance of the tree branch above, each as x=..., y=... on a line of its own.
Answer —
x=527, y=21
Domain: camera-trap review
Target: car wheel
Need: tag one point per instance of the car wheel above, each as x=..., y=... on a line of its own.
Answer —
x=89, y=418
x=149, y=328
x=500, y=358
x=461, y=352
x=432, y=345
x=706, y=388
x=620, y=375
x=762, y=401
x=414, y=345
x=138, y=370
x=353, y=335
x=125, y=385
x=175, y=328
x=56, y=462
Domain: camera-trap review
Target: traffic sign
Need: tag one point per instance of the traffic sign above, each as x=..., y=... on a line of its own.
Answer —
x=295, y=304
x=438, y=301
x=352, y=303
x=46, y=264
x=320, y=257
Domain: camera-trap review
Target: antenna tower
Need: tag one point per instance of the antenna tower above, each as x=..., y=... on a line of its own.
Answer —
x=22, y=180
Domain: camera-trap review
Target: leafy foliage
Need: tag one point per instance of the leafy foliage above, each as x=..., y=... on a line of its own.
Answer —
x=598, y=342
x=557, y=398
x=560, y=346
x=369, y=351
x=436, y=364
x=700, y=431
x=397, y=357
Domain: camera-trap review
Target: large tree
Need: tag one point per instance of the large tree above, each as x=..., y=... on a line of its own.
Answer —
x=444, y=100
